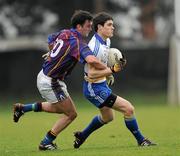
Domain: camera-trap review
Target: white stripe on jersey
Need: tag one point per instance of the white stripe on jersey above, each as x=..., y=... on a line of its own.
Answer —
x=99, y=49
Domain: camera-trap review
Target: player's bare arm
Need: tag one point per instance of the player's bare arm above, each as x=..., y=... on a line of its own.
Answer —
x=94, y=73
x=94, y=62
x=97, y=69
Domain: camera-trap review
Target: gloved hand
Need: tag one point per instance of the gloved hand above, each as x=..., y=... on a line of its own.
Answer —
x=110, y=80
x=116, y=68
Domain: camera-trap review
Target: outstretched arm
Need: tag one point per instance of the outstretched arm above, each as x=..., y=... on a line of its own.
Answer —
x=94, y=62
x=97, y=69
x=94, y=73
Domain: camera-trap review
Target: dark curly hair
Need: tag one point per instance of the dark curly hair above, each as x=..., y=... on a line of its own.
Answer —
x=79, y=17
x=101, y=18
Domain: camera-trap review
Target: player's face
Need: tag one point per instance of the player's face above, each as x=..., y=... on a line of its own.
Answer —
x=108, y=29
x=86, y=28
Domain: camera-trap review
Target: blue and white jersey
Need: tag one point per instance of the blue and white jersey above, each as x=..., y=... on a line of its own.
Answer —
x=99, y=47
x=97, y=92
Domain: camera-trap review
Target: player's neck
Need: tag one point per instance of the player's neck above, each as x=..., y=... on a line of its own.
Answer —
x=102, y=36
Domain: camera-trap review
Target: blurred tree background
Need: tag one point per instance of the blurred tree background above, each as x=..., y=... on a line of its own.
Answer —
x=143, y=31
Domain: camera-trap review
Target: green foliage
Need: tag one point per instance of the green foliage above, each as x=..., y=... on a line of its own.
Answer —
x=158, y=122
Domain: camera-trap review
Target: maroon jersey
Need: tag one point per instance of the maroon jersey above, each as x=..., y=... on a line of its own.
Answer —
x=68, y=48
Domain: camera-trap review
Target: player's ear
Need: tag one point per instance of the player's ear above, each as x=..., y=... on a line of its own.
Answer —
x=79, y=27
x=99, y=26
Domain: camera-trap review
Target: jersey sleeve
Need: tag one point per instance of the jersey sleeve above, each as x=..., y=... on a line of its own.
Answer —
x=84, y=52
x=79, y=50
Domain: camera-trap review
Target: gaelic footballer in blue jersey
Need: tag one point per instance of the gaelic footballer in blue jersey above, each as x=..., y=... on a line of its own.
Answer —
x=97, y=91
x=67, y=47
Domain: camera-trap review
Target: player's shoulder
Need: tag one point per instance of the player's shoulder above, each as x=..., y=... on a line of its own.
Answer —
x=59, y=34
x=65, y=33
x=92, y=42
x=52, y=37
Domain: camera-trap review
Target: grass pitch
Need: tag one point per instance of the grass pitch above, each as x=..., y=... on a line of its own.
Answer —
x=157, y=121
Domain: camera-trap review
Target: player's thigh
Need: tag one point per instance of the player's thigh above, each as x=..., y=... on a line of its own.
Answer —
x=122, y=105
x=96, y=93
x=52, y=90
x=107, y=114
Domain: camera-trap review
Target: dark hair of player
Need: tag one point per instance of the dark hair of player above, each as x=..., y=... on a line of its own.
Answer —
x=80, y=17
x=101, y=18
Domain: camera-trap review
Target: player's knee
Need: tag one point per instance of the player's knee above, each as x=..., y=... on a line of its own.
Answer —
x=109, y=119
x=72, y=115
x=129, y=110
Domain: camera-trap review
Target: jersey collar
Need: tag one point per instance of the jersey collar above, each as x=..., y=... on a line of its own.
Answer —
x=78, y=34
x=100, y=39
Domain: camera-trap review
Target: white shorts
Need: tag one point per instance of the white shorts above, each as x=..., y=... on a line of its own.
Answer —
x=52, y=90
